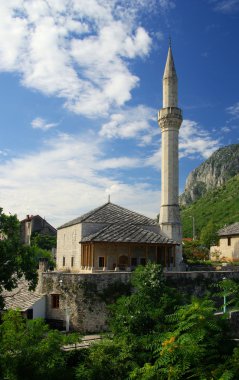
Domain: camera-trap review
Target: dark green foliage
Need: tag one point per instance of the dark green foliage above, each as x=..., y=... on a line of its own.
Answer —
x=229, y=289
x=29, y=350
x=144, y=311
x=156, y=335
x=16, y=259
x=191, y=348
x=106, y=360
x=46, y=242
x=209, y=236
x=42, y=246
x=218, y=207
x=39, y=253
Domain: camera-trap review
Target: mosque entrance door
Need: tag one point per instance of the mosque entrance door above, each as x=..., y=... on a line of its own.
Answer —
x=123, y=262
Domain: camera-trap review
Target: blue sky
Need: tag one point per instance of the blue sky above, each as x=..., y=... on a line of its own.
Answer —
x=80, y=88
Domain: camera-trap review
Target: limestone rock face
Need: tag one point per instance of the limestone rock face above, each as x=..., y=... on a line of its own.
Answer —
x=214, y=172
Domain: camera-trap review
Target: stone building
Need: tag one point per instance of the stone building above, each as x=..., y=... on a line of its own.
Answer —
x=35, y=224
x=113, y=238
x=228, y=248
x=32, y=304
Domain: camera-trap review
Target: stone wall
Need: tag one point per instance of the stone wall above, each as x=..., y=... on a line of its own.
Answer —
x=198, y=283
x=85, y=295
x=82, y=296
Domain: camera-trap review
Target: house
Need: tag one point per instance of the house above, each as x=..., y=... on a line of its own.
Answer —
x=228, y=248
x=32, y=304
x=35, y=224
x=113, y=238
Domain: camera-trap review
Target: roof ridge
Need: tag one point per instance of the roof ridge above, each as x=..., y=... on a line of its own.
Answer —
x=111, y=213
x=90, y=213
x=134, y=212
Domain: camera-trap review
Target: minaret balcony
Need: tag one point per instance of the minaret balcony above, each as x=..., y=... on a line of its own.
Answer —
x=170, y=117
x=170, y=112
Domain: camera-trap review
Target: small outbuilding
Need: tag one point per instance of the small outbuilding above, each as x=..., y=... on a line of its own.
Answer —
x=228, y=248
x=32, y=304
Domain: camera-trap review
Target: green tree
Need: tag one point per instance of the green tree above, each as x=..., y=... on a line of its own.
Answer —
x=193, y=346
x=230, y=290
x=144, y=311
x=158, y=335
x=39, y=253
x=45, y=242
x=209, y=236
x=194, y=251
x=109, y=359
x=16, y=260
x=29, y=350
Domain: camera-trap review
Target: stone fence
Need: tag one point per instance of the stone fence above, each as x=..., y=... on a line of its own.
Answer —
x=82, y=298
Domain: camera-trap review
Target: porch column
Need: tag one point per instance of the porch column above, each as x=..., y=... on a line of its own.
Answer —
x=92, y=254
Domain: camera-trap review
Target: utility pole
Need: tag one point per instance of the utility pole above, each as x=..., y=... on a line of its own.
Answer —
x=193, y=220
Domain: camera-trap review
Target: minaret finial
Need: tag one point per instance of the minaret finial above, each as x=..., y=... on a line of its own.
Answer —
x=109, y=198
x=169, y=41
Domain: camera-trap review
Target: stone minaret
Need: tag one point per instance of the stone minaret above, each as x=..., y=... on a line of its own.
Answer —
x=170, y=120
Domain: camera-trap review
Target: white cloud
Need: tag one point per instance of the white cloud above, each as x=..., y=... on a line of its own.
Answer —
x=4, y=152
x=68, y=177
x=78, y=51
x=166, y=4
x=234, y=110
x=226, y=6
x=39, y=123
x=194, y=142
x=131, y=123
x=155, y=159
x=226, y=129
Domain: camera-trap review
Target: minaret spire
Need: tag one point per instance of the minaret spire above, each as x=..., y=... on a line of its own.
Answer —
x=170, y=82
x=170, y=119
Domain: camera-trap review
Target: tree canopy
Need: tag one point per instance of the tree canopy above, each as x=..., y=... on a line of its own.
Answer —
x=155, y=334
x=30, y=350
x=16, y=259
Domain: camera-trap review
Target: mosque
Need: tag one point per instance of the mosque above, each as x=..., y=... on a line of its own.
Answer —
x=112, y=238
x=97, y=251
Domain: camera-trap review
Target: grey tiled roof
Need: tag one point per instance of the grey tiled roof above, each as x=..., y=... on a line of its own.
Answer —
x=233, y=229
x=110, y=213
x=127, y=233
x=20, y=297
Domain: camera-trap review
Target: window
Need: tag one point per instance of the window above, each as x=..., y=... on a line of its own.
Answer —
x=55, y=301
x=63, y=261
x=143, y=261
x=229, y=241
x=72, y=261
x=101, y=262
x=29, y=313
x=133, y=261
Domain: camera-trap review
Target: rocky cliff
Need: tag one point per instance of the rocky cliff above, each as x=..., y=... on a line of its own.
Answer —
x=214, y=172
